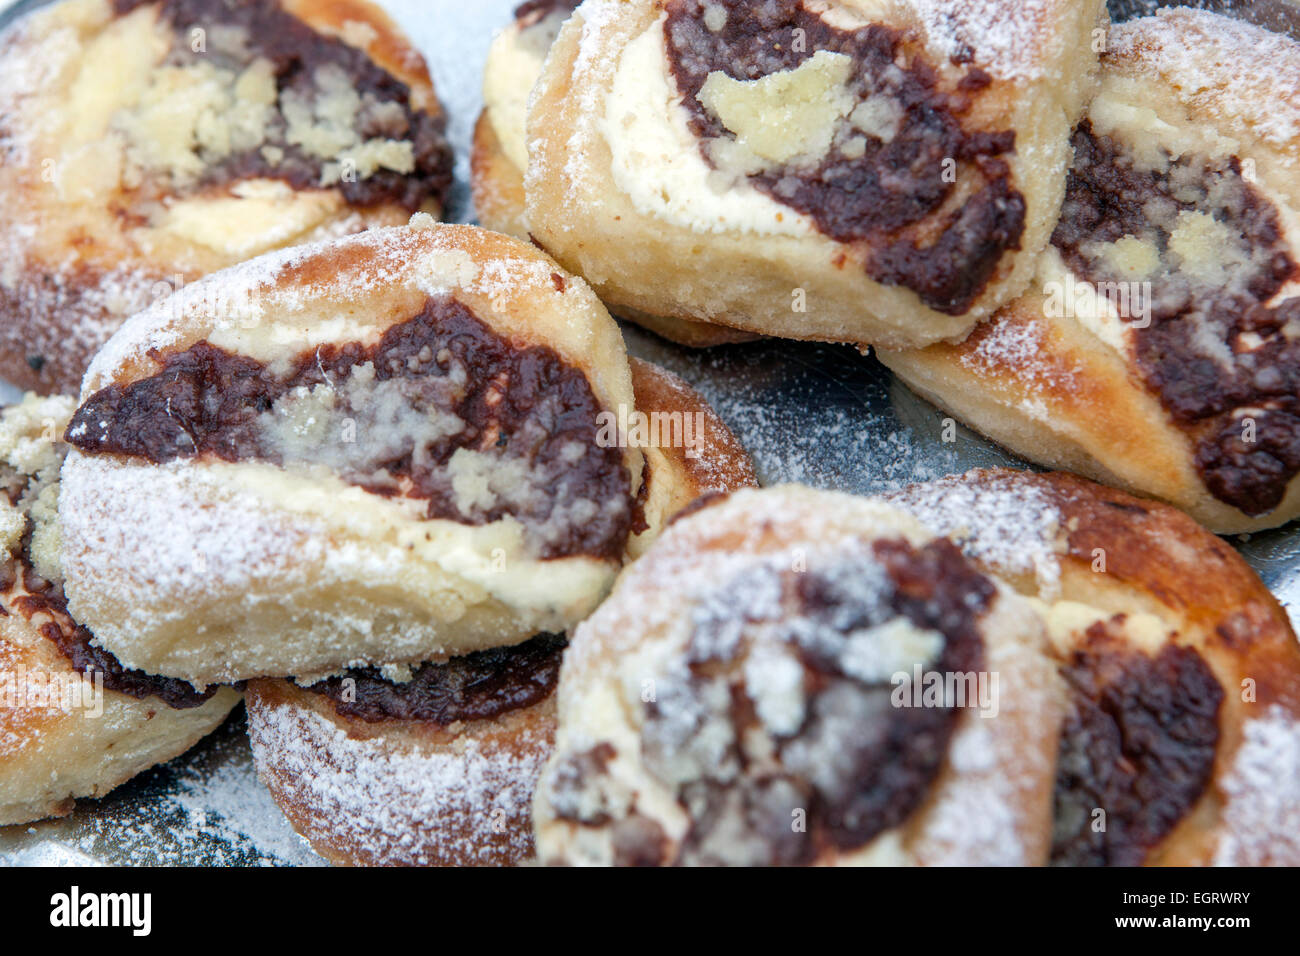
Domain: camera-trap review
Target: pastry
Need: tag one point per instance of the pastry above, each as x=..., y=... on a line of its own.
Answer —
x=148, y=143
x=839, y=170
x=1159, y=348
x=73, y=721
x=381, y=449
x=794, y=676
x=437, y=764
x=1180, y=744
x=434, y=770
x=500, y=150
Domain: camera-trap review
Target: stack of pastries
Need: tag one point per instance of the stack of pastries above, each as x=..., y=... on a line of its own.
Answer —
x=495, y=592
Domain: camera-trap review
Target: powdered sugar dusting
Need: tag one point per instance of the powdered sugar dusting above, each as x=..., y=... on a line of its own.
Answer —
x=1262, y=817
x=432, y=258
x=1225, y=66
x=398, y=804
x=1011, y=346
x=1005, y=38
x=1005, y=522
x=589, y=68
x=160, y=537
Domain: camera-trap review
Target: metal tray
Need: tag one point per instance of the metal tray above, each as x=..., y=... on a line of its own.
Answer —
x=818, y=414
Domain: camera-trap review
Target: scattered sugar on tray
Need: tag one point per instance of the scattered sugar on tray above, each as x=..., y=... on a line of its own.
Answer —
x=825, y=430
x=229, y=803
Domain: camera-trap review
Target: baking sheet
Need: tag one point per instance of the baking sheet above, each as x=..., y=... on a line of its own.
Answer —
x=818, y=414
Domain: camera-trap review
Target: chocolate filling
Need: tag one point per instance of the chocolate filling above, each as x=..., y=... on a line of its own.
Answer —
x=855, y=765
x=1138, y=745
x=477, y=686
x=888, y=199
x=296, y=52
x=437, y=385
x=1208, y=391
x=74, y=641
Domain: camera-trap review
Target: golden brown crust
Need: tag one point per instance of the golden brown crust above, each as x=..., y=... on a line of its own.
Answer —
x=496, y=184
x=1043, y=387
x=687, y=332
x=400, y=793
x=52, y=754
x=679, y=475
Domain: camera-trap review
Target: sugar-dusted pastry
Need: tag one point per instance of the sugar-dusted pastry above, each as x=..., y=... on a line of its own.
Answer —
x=1180, y=744
x=149, y=142
x=851, y=170
x=500, y=151
x=434, y=768
x=380, y=449
x=73, y=721
x=1159, y=348
x=792, y=677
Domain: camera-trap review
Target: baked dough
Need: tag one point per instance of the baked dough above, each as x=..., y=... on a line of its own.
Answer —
x=73, y=723
x=682, y=473
x=731, y=702
x=1181, y=741
x=148, y=143
x=382, y=449
x=1159, y=350
x=437, y=770
x=860, y=171
x=500, y=151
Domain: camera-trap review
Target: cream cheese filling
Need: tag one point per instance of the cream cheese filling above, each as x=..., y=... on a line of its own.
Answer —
x=1119, y=112
x=1066, y=620
x=656, y=161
